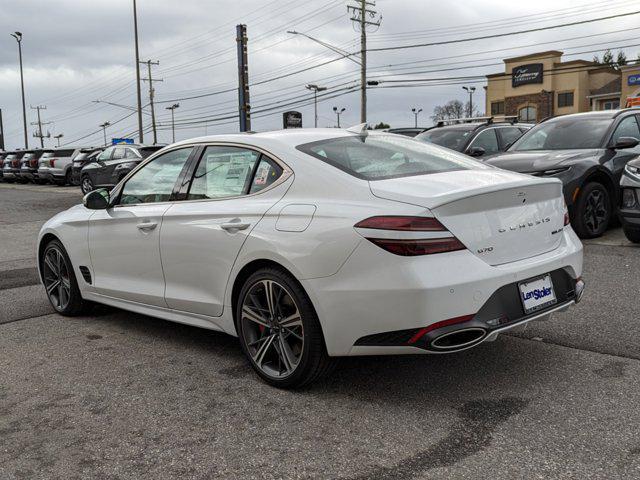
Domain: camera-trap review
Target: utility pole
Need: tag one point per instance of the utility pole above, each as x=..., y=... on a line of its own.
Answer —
x=1, y=132
x=151, y=95
x=338, y=112
x=18, y=37
x=135, y=31
x=173, y=125
x=104, y=126
x=244, y=104
x=470, y=90
x=315, y=89
x=58, y=137
x=360, y=12
x=416, y=112
x=38, y=133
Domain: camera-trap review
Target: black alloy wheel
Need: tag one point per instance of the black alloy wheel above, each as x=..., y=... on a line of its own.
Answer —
x=279, y=330
x=593, y=211
x=60, y=281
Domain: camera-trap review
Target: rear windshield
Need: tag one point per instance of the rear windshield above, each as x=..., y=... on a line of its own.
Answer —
x=147, y=151
x=377, y=157
x=47, y=155
x=564, y=134
x=454, y=138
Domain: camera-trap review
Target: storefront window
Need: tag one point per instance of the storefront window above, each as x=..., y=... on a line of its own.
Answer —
x=565, y=99
x=497, y=108
x=610, y=104
x=527, y=114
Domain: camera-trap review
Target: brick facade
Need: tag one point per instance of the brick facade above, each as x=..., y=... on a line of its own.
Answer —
x=542, y=101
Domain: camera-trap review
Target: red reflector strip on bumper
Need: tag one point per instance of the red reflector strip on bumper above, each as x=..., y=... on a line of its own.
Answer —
x=444, y=323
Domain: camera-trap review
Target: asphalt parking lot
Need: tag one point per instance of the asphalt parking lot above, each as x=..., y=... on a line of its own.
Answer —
x=120, y=395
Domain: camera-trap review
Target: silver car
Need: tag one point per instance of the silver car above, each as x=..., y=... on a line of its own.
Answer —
x=55, y=166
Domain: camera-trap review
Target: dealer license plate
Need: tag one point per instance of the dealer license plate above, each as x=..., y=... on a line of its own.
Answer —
x=537, y=294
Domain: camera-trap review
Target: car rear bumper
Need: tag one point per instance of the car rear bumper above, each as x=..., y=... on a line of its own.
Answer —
x=378, y=293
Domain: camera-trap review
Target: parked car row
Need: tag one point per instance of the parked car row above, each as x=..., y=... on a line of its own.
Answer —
x=588, y=152
x=89, y=167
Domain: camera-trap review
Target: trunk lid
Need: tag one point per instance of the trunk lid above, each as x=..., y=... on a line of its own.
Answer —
x=499, y=216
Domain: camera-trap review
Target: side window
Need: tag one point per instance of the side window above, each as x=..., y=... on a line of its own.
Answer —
x=130, y=154
x=267, y=172
x=118, y=153
x=509, y=135
x=628, y=127
x=155, y=181
x=487, y=140
x=223, y=172
x=105, y=155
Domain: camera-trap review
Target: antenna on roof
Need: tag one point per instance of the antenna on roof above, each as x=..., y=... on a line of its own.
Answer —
x=360, y=129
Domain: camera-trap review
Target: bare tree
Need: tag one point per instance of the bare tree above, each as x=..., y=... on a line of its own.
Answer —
x=453, y=109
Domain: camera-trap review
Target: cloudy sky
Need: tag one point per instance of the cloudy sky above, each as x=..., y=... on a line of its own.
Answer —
x=77, y=52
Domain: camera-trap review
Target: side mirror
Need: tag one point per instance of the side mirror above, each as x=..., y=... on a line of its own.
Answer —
x=626, y=142
x=97, y=199
x=476, y=152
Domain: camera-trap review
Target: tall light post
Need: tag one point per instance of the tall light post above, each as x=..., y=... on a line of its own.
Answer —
x=18, y=37
x=104, y=126
x=173, y=126
x=338, y=112
x=470, y=90
x=416, y=112
x=135, y=31
x=315, y=89
x=58, y=137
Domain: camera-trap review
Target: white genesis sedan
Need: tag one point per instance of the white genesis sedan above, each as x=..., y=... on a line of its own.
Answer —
x=311, y=244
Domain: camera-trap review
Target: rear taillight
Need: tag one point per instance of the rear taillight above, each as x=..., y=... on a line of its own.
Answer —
x=15, y=163
x=402, y=223
x=409, y=247
x=567, y=220
x=52, y=163
x=33, y=163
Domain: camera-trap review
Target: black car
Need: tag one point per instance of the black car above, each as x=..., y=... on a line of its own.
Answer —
x=588, y=152
x=475, y=137
x=29, y=165
x=86, y=155
x=630, y=208
x=113, y=164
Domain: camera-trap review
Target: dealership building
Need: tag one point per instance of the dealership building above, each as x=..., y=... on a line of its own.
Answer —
x=541, y=85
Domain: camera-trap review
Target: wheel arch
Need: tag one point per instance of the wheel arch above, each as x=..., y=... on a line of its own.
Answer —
x=603, y=177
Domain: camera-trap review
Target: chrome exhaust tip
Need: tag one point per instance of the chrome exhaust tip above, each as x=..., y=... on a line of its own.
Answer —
x=579, y=290
x=459, y=339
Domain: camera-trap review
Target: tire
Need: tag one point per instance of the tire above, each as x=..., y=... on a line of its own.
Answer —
x=288, y=356
x=65, y=296
x=632, y=234
x=86, y=184
x=593, y=211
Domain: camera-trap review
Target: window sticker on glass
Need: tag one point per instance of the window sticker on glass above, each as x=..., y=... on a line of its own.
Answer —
x=262, y=174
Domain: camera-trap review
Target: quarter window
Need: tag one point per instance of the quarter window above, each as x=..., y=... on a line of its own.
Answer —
x=628, y=127
x=223, y=172
x=565, y=99
x=497, y=108
x=155, y=181
x=527, y=114
x=266, y=173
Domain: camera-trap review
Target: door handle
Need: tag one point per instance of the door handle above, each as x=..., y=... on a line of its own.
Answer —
x=234, y=226
x=147, y=226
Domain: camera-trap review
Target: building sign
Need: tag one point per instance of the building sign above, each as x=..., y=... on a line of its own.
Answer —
x=116, y=141
x=526, y=74
x=292, y=119
x=633, y=79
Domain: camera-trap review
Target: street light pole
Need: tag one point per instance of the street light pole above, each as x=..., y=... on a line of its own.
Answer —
x=104, y=131
x=58, y=137
x=338, y=112
x=470, y=90
x=173, y=127
x=135, y=30
x=315, y=89
x=416, y=112
x=18, y=37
